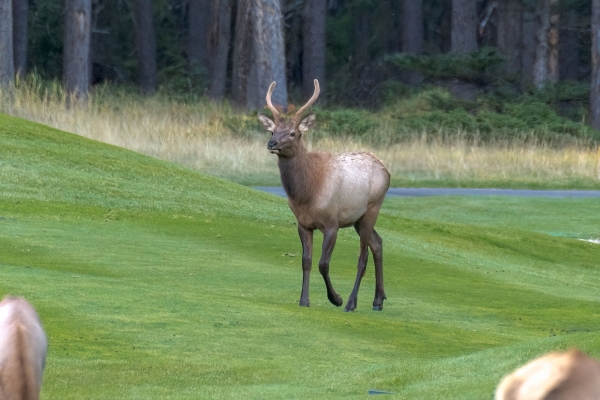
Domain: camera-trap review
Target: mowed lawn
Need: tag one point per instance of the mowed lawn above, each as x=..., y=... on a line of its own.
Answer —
x=157, y=282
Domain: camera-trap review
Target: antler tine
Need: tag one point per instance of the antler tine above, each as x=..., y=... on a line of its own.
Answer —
x=270, y=105
x=309, y=103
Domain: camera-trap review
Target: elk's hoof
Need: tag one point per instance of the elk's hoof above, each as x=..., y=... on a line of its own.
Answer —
x=378, y=302
x=336, y=300
x=304, y=303
x=351, y=305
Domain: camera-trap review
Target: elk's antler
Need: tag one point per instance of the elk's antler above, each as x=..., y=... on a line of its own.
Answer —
x=309, y=103
x=276, y=115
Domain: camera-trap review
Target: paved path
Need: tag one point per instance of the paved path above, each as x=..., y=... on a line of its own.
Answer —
x=419, y=192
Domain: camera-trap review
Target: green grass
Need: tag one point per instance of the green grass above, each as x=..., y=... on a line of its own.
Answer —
x=154, y=281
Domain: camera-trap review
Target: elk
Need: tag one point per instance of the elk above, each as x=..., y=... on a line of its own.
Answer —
x=327, y=192
x=23, y=348
x=556, y=376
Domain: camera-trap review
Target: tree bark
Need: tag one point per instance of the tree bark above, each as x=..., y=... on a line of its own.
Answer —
x=258, y=55
x=270, y=47
x=200, y=14
x=7, y=67
x=412, y=26
x=20, y=11
x=595, y=84
x=568, y=51
x=314, y=15
x=529, y=45
x=464, y=26
x=463, y=38
x=242, y=53
x=510, y=33
x=412, y=30
x=77, y=48
x=146, y=45
x=542, y=52
x=220, y=38
x=97, y=7
x=553, y=40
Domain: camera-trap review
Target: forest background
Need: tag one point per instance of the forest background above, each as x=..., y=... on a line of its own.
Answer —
x=448, y=92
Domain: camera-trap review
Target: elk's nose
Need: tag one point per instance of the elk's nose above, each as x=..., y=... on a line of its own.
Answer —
x=272, y=143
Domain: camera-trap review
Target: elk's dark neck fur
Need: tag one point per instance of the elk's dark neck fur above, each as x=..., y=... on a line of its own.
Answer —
x=300, y=174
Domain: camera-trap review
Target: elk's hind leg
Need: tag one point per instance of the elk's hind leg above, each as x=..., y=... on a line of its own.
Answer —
x=329, y=238
x=363, y=257
x=376, y=245
x=364, y=228
x=368, y=239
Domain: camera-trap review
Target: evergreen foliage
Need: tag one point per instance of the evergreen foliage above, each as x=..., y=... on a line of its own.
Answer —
x=481, y=67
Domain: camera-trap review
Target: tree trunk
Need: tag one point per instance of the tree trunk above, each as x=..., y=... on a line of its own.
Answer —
x=444, y=29
x=77, y=49
x=313, y=45
x=463, y=40
x=542, y=52
x=595, y=84
x=412, y=35
x=258, y=55
x=412, y=26
x=7, y=67
x=529, y=44
x=510, y=33
x=20, y=11
x=220, y=38
x=97, y=7
x=146, y=45
x=553, y=40
x=269, y=64
x=242, y=53
x=464, y=26
x=200, y=14
x=568, y=47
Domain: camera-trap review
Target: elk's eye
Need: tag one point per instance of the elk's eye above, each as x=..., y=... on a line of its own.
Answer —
x=292, y=133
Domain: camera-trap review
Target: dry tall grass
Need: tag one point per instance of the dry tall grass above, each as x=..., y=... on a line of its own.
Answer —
x=201, y=136
x=504, y=163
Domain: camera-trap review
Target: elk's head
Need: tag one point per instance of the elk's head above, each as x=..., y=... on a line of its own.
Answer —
x=286, y=133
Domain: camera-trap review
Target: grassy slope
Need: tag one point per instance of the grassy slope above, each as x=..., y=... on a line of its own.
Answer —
x=157, y=282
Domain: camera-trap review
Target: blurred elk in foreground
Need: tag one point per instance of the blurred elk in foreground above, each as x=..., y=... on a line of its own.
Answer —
x=327, y=192
x=23, y=349
x=557, y=376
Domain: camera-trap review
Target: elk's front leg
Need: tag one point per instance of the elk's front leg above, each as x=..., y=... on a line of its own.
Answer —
x=306, y=237
x=329, y=238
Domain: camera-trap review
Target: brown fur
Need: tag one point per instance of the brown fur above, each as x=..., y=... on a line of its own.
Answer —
x=328, y=192
x=23, y=349
x=555, y=376
x=301, y=181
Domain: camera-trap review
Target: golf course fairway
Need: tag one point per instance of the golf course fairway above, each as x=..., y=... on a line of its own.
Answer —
x=157, y=282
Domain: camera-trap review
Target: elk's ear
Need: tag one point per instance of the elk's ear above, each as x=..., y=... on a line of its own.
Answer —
x=266, y=122
x=306, y=123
